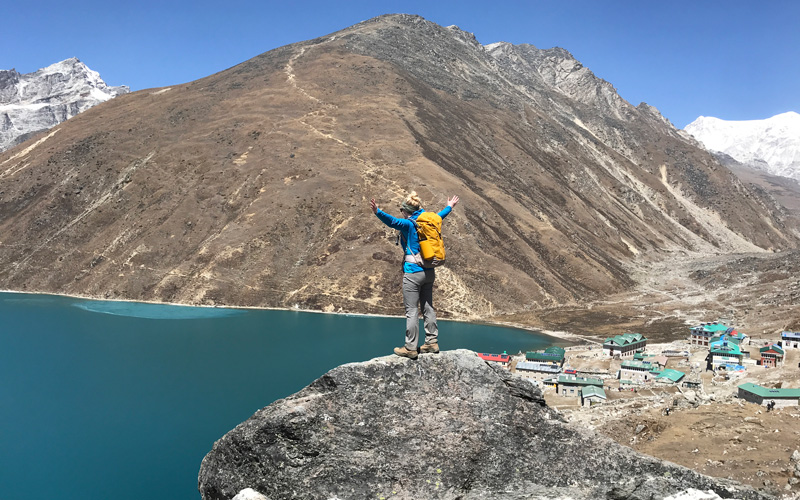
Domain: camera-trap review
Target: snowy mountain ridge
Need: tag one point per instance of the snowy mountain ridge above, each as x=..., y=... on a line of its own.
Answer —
x=33, y=102
x=771, y=145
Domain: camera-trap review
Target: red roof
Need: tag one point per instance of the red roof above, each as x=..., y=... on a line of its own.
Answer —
x=503, y=358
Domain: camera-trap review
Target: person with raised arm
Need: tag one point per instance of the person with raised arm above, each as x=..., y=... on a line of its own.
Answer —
x=417, y=280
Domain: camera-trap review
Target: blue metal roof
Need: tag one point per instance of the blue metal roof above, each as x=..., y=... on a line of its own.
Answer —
x=539, y=367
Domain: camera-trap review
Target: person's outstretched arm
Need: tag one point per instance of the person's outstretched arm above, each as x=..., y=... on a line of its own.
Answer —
x=388, y=219
x=451, y=203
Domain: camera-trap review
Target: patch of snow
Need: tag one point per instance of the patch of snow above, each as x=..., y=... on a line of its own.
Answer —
x=35, y=102
x=774, y=142
x=693, y=494
x=249, y=494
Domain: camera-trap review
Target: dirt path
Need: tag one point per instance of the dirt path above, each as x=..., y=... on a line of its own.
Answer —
x=757, y=293
x=731, y=439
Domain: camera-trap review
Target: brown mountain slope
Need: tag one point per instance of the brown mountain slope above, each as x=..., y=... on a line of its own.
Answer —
x=785, y=189
x=250, y=187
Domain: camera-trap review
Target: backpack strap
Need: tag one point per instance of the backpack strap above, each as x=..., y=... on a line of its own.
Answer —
x=413, y=258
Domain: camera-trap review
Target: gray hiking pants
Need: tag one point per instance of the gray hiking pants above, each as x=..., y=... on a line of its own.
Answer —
x=418, y=290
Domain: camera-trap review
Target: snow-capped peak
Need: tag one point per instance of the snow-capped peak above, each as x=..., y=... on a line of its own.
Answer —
x=34, y=102
x=774, y=143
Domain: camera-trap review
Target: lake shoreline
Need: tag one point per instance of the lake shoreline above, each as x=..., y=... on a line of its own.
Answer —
x=113, y=380
x=573, y=338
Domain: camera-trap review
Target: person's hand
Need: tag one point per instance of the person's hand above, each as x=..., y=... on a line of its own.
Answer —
x=373, y=206
x=451, y=202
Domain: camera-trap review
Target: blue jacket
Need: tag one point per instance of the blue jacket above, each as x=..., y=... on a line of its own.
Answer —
x=408, y=234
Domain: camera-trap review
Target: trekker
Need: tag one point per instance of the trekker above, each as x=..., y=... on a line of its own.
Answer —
x=417, y=280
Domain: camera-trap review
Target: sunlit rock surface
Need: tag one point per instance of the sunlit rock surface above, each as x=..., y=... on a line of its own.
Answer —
x=445, y=426
x=34, y=102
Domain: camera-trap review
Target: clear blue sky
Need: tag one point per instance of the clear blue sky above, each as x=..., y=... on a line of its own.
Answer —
x=734, y=59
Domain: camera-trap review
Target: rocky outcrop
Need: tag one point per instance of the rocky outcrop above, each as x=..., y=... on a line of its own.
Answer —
x=785, y=190
x=447, y=426
x=35, y=102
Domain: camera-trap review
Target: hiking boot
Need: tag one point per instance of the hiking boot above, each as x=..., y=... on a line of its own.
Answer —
x=434, y=348
x=405, y=353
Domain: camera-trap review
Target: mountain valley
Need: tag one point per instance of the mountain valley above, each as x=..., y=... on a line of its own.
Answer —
x=579, y=212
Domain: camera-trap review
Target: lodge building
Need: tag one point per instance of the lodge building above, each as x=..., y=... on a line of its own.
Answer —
x=625, y=345
x=790, y=340
x=703, y=334
x=771, y=356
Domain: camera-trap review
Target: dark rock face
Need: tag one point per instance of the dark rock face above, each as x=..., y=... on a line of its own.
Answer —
x=445, y=426
x=8, y=84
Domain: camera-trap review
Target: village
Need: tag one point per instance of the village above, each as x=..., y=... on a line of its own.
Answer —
x=713, y=353
x=719, y=401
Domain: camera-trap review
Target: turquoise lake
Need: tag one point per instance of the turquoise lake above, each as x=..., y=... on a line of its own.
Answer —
x=102, y=400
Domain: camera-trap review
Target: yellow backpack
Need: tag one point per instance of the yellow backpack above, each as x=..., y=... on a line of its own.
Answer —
x=431, y=244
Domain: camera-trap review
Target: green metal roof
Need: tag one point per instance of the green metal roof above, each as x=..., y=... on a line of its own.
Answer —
x=625, y=339
x=725, y=350
x=767, y=392
x=592, y=390
x=730, y=338
x=636, y=364
x=713, y=327
x=553, y=353
x=673, y=375
x=573, y=380
x=773, y=347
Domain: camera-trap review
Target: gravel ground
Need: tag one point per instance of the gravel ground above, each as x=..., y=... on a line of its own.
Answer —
x=709, y=430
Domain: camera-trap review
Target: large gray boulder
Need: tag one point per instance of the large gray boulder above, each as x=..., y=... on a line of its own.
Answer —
x=446, y=426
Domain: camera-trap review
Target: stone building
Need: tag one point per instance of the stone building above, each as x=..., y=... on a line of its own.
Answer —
x=653, y=359
x=592, y=395
x=762, y=395
x=570, y=385
x=638, y=372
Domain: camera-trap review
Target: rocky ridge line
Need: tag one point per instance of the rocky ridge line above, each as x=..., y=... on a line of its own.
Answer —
x=34, y=102
x=190, y=194
x=771, y=145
